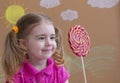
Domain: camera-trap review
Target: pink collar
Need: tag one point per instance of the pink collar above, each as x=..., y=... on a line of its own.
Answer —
x=32, y=71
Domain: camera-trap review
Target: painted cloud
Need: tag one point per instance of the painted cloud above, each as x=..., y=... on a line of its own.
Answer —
x=49, y=3
x=69, y=15
x=103, y=3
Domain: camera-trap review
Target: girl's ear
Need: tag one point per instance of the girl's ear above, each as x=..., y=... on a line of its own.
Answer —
x=23, y=44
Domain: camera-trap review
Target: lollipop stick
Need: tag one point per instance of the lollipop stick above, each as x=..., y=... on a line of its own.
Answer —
x=83, y=67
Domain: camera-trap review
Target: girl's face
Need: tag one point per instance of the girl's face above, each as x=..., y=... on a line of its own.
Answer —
x=41, y=42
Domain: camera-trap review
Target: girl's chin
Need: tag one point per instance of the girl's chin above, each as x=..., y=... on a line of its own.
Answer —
x=46, y=56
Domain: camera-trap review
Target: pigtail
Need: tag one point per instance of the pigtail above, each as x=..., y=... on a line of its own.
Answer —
x=13, y=56
x=58, y=55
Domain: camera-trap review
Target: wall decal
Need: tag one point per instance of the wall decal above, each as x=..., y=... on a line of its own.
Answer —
x=69, y=15
x=13, y=13
x=49, y=3
x=99, y=61
x=103, y=3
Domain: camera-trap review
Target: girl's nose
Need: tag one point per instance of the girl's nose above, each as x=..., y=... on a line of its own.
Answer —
x=48, y=42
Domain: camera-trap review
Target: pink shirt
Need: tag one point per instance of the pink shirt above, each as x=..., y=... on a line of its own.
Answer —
x=51, y=74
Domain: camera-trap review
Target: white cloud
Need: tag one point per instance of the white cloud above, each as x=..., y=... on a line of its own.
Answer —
x=49, y=3
x=103, y=3
x=69, y=15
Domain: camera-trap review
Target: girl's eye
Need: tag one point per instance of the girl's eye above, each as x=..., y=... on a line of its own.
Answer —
x=41, y=38
x=53, y=38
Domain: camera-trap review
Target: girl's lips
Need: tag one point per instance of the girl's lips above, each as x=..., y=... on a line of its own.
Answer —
x=47, y=50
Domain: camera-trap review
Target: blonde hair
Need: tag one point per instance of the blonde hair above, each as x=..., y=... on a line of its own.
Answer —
x=14, y=56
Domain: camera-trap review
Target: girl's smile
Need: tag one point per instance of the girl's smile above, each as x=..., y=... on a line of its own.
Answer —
x=47, y=50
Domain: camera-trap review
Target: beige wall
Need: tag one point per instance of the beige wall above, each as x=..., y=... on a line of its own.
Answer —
x=103, y=62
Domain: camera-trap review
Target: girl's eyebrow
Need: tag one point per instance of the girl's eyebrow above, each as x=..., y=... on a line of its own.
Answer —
x=52, y=34
x=44, y=35
x=40, y=35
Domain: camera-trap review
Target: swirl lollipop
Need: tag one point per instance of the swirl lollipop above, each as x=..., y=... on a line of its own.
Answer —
x=80, y=43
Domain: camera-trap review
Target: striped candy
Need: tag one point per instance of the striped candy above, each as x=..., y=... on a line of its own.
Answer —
x=79, y=40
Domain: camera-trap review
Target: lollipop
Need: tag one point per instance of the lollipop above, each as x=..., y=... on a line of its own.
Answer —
x=79, y=40
x=80, y=43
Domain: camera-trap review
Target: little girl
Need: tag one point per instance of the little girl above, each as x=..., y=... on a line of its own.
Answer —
x=33, y=52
